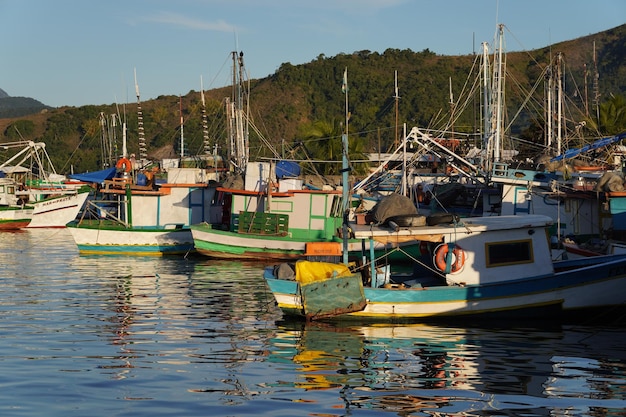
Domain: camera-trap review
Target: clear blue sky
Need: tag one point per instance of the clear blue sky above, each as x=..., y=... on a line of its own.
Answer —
x=78, y=52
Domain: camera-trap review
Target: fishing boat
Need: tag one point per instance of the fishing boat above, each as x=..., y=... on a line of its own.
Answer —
x=143, y=207
x=128, y=218
x=15, y=213
x=269, y=211
x=255, y=224
x=488, y=266
x=481, y=267
x=52, y=199
x=611, y=237
x=57, y=208
x=291, y=224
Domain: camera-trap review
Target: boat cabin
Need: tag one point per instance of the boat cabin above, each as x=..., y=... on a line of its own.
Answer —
x=8, y=188
x=479, y=250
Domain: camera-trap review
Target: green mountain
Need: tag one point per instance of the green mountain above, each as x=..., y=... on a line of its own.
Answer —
x=18, y=106
x=285, y=105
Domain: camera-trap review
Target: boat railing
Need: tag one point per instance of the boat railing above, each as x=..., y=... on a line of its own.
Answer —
x=97, y=209
x=500, y=169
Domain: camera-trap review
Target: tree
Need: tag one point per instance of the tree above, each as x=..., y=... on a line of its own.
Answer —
x=19, y=130
x=612, y=115
x=323, y=139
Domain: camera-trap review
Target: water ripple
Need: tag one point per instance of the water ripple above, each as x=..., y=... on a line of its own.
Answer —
x=90, y=335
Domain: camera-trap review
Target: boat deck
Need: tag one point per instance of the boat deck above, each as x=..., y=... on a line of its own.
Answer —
x=435, y=233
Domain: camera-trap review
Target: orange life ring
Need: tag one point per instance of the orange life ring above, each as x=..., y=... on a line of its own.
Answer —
x=440, y=259
x=124, y=164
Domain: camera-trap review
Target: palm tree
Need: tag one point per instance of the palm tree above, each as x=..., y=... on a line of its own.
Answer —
x=611, y=116
x=323, y=141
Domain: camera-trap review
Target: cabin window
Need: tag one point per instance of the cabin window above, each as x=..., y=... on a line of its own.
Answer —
x=509, y=253
x=2, y=189
x=336, y=208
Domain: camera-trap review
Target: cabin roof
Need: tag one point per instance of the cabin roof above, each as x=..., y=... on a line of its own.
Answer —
x=9, y=169
x=471, y=224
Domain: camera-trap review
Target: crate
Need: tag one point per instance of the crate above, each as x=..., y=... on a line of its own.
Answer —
x=323, y=249
x=250, y=222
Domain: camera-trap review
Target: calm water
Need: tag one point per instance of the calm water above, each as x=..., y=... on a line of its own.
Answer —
x=115, y=336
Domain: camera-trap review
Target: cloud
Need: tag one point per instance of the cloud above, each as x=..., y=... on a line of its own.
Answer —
x=355, y=6
x=179, y=20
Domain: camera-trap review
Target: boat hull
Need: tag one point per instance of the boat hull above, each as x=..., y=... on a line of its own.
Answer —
x=592, y=285
x=13, y=218
x=221, y=244
x=134, y=242
x=57, y=211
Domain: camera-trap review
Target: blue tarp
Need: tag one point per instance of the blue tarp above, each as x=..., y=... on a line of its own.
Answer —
x=96, y=176
x=593, y=146
x=286, y=169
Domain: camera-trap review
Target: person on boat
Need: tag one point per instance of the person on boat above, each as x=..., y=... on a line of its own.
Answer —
x=421, y=195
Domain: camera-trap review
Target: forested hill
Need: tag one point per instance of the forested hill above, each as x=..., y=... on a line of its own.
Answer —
x=19, y=106
x=286, y=104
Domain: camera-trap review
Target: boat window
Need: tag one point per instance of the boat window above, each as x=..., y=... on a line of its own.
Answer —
x=509, y=253
x=335, y=210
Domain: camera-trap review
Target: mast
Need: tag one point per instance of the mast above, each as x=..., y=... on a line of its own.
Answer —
x=113, y=141
x=345, y=189
x=243, y=118
x=205, y=125
x=559, y=104
x=104, y=140
x=404, y=173
x=397, y=98
x=143, y=151
x=596, y=88
x=549, y=111
x=237, y=120
x=182, y=124
x=451, y=108
x=108, y=139
x=554, y=104
x=486, y=119
x=498, y=94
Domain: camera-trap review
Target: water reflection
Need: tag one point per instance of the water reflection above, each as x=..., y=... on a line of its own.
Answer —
x=427, y=369
x=171, y=315
x=85, y=333
x=175, y=312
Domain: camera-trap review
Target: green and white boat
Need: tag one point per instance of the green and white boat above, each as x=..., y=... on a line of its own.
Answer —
x=286, y=224
x=152, y=219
